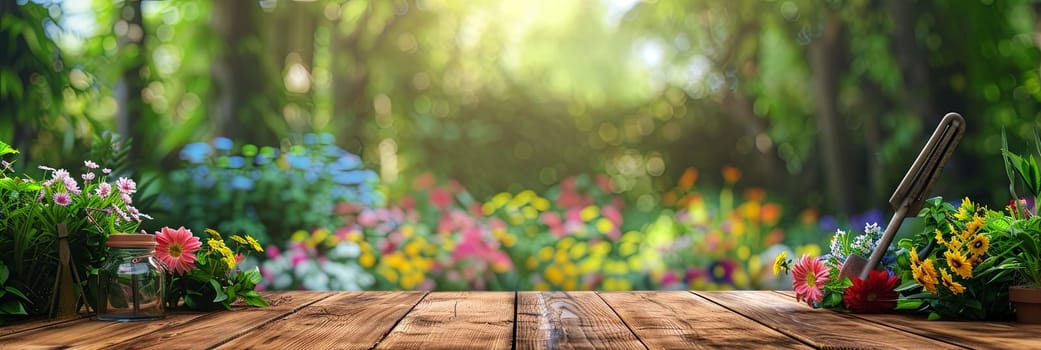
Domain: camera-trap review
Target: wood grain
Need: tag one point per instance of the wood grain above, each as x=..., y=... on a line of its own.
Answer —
x=456, y=320
x=218, y=327
x=980, y=335
x=349, y=320
x=681, y=320
x=820, y=328
x=570, y=320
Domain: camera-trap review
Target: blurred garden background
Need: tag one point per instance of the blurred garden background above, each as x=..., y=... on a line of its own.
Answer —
x=577, y=145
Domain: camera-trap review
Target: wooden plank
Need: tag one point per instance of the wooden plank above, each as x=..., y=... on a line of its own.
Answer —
x=820, y=328
x=218, y=327
x=681, y=320
x=348, y=320
x=977, y=335
x=91, y=334
x=25, y=325
x=990, y=335
x=570, y=320
x=456, y=320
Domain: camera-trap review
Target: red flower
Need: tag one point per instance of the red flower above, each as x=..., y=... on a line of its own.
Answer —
x=876, y=295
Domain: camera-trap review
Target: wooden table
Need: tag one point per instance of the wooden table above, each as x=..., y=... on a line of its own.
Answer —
x=523, y=320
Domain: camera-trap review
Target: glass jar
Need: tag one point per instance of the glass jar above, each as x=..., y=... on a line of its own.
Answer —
x=131, y=280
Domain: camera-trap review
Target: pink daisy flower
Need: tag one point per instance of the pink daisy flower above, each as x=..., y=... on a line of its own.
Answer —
x=62, y=199
x=90, y=164
x=176, y=248
x=127, y=186
x=104, y=189
x=809, y=275
x=60, y=174
x=88, y=177
x=106, y=171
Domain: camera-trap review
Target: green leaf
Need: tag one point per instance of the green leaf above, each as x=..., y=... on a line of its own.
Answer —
x=6, y=149
x=12, y=307
x=17, y=292
x=933, y=316
x=221, y=296
x=904, y=304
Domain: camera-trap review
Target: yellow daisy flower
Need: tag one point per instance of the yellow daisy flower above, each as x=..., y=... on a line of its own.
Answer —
x=914, y=257
x=963, y=211
x=928, y=276
x=949, y=282
x=979, y=245
x=781, y=262
x=957, y=262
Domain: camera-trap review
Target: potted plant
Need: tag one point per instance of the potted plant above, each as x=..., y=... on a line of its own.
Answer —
x=1025, y=232
x=53, y=229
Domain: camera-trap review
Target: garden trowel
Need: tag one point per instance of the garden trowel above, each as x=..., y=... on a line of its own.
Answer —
x=911, y=192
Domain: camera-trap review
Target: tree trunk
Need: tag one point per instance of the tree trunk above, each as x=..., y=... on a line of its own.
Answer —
x=914, y=65
x=132, y=113
x=241, y=76
x=825, y=56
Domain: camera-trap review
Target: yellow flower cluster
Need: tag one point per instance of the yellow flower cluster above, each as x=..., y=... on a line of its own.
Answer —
x=524, y=207
x=963, y=251
x=408, y=265
x=216, y=243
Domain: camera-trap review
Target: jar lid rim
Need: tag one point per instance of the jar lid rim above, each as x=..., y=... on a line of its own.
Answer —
x=131, y=240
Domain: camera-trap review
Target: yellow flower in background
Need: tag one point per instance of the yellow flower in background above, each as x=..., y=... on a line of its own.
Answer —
x=604, y=225
x=540, y=204
x=554, y=275
x=530, y=213
x=366, y=260
x=808, y=249
x=957, y=262
x=408, y=231
x=589, y=213
x=743, y=252
x=914, y=257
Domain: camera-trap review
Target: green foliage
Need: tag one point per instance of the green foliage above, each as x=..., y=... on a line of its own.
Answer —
x=1026, y=168
x=961, y=265
x=1025, y=235
x=88, y=206
x=216, y=281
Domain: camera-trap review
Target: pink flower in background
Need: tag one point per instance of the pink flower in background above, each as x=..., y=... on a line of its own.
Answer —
x=176, y=248
x=552, y=219
x=441, y=198
x=127, y=186
x=272, y=251
x=809, y=275
x=604, y=182
x=612, y=213
x=90, y=164
x=88, y=177
x=62, y=199
x=106, y=171
x=424, y=182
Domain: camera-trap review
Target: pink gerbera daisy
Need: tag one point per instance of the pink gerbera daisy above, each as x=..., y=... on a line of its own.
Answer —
x=62, y=199
x=809, y=276
x=176, y=248
x=127, y=186
x=104, y=189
